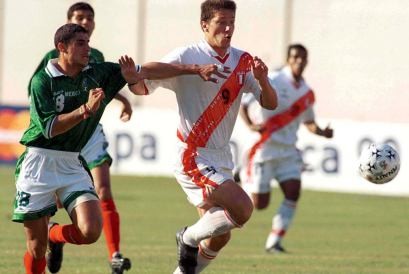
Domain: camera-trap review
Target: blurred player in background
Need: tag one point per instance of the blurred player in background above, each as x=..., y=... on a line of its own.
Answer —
x=208, y=112
x=67, y=100
x=275, y=155
x=95, y=152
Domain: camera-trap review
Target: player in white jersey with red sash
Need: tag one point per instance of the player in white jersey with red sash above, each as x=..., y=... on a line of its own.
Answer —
x=208, y=112
x=275, y=155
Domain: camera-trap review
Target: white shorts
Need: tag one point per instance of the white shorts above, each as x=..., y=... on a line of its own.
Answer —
x=95, y=151
x=42, y=173
x=263, y=173
x=201, y=171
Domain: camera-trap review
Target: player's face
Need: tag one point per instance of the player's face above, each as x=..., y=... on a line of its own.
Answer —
x=78, y=50
x=85, y=19
x=219, y=30
x=297, y=60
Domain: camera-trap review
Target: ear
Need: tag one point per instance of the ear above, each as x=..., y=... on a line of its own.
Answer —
x=204, y=26
x=61, y=47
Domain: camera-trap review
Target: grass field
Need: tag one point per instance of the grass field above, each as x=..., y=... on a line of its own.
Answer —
x=332, y=233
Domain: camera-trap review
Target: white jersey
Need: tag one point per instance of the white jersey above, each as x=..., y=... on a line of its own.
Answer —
x=208, y=111
x=295, y=106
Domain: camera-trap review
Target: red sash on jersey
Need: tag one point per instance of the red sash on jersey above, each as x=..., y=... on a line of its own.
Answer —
x=280, y=120
x=209, y=120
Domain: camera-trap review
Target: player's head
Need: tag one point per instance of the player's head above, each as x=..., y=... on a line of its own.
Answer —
x=217, y=21
x=72, y=43
x=82, y=14
x=297, y=59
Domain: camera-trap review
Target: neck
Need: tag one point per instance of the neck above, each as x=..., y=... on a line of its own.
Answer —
x=67, y=68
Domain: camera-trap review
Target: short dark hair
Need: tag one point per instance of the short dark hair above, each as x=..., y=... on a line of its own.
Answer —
x=66, y=33
x=296, y=46
x=79, y=6
x=209, y=7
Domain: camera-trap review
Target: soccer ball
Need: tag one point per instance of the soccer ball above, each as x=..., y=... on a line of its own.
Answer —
x=379, y=163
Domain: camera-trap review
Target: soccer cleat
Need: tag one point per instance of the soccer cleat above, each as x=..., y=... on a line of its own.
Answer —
x=55, y=254
x=119, y=263
x=276, y=248
x=187, y=255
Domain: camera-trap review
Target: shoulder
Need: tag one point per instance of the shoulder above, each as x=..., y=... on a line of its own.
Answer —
x=97, y=55
x=51, y=54
x=40, y=78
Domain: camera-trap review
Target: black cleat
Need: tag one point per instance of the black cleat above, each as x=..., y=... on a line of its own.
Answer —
x=119, y=263
x=55, y=254
x=277, y=249
x=187, y=255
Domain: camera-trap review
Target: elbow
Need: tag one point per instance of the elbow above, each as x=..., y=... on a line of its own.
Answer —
x=270, y=105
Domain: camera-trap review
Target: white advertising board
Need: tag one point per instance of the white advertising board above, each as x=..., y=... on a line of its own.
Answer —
x=145, y=146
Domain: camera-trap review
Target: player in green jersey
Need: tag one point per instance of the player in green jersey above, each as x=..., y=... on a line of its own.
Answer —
x=67, y=100
x=95, y=152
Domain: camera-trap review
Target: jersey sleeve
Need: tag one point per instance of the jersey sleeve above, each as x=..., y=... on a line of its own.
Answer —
x=251, y=86
x=113, y=82
x=174, y=57
x=247, y=99
x=43, y=108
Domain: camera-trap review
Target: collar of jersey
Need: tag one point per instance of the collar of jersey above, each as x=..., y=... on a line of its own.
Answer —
x=52, y=70
x=209, y=50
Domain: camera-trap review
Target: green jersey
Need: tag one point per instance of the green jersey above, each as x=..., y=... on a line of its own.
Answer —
x=53, y=93
x=95, y=57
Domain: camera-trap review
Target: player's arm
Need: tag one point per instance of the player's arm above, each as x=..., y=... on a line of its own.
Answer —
x=268, y=97
x=64, y=122
x=312, y=127
x=126, y=110
x=157, y=70
x=244, y=114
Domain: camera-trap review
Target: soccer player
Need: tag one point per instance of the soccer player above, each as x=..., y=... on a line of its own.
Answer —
x=67, y=100
x=95, y=151
x=275, y=155
x=208, y=112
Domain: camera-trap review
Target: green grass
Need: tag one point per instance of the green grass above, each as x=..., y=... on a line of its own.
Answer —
x=332, y=233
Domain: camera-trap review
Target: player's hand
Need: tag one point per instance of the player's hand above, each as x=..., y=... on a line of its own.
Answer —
x=128, y=70
x=126, y=112
x=206, y=72
x=260, y=70
x=328, y=132
x=95, y=98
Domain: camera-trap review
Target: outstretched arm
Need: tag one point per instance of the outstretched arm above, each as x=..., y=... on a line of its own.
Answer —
x=312, y=126
x=157, y=70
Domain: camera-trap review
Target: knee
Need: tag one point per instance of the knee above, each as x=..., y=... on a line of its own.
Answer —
x=293, y=195
x=246, y=209
x=37, y=251
x=90, y=232
x=261, y=201
x=104, y=193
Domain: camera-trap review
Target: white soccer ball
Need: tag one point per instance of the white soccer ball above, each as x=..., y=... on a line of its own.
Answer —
x=379, y=163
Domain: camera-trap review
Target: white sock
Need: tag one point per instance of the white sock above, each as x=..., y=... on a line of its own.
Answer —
x=177, y=271
x=213, y=223
x=204, y=257
x=281, y=222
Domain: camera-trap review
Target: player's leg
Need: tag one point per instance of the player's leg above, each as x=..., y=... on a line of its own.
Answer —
x=257, y=183
x=227, y=207
x=36, y=242
x=34, y=203
x=98, y=160
x=288, y=175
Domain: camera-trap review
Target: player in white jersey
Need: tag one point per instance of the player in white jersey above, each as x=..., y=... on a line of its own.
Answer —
x=275, y=155
x=208, y=112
